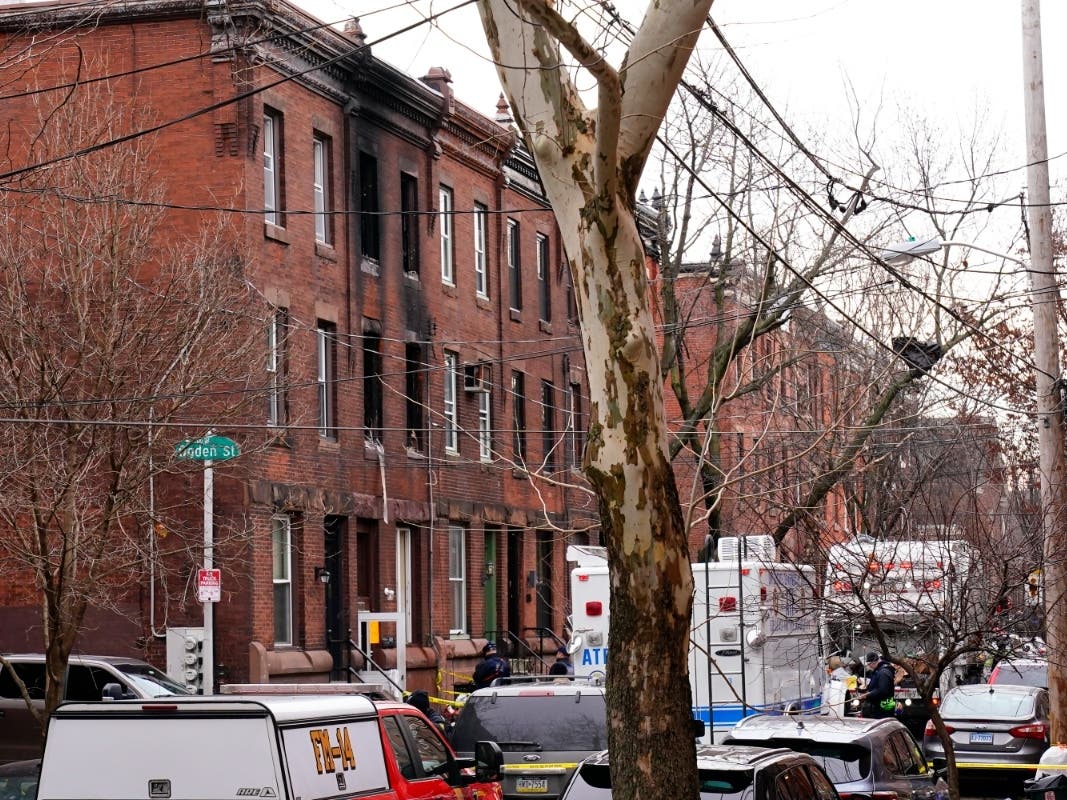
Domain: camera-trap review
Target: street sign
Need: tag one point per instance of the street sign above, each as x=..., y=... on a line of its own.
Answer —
x=207, y=448
x=208, y=585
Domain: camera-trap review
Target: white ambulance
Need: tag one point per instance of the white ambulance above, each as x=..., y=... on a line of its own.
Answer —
x=754, y=640
x=277, y=747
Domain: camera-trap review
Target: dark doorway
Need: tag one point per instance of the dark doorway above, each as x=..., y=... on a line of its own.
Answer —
x=332, y=575
x=516, y=582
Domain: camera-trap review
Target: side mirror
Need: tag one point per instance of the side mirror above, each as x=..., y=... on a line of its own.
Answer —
x=489, y=761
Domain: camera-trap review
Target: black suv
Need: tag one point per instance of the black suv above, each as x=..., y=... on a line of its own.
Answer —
x=727, y=772
x=544, y=726
x=869, y=757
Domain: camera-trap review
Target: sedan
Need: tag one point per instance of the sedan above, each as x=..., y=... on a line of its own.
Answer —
x=992, y=724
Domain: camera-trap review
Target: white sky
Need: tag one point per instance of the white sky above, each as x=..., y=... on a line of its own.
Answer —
x=946, y=58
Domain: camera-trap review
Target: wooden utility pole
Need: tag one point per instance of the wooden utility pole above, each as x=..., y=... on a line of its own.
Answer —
x=1044, y=298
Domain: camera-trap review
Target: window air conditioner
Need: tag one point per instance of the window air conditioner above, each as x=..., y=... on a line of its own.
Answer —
x=477, y=377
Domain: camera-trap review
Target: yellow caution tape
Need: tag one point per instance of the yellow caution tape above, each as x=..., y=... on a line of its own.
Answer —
x=991, y=765
x=533, y=767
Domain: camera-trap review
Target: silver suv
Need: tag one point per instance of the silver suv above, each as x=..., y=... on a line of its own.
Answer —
x=21, y=735
x=543, y=725
x=868, y=757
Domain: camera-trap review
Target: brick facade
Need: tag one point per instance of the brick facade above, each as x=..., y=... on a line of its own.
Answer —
x=375, y=496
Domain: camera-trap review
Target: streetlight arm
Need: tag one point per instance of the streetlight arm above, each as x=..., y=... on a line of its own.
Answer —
x=972, y=246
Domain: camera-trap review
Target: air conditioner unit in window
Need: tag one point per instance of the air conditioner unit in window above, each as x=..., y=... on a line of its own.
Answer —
x=477, y=377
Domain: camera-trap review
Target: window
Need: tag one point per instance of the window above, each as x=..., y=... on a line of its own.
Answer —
x=451, y=418
x=518, y=415
x=399, y=746
x=481, y=272
x=414, y=393
x=372, y=387
x=544, y=275
x=272, y=167
x=277, y=339
x=514, y=265
x=409, y=222
x=281, y=536
x=575, y=425
x=485, y=429
x=448, y=274
x=369, y=224
x=321, y=189
x=457, y=577
x=548, y=424
x=326, y=361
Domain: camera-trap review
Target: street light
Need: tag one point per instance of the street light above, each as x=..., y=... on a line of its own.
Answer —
x=903, y=252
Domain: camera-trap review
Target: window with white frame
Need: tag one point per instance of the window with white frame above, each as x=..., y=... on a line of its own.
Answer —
x=326, y=360
x=485, y=426
x=457, y=577
x=282, y=545
x=271, y=167
x=544, y=275
x=451, y=380
x=514, y=265
x=277, y=401
x=481, y=269
x=445, y=208
x=320, y=188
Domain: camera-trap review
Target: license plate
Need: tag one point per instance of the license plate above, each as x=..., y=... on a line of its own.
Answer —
x=981, y=738
x=912, y=694
x=531, y=785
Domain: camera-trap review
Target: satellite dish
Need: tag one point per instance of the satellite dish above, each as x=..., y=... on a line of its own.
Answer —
x=575, y=644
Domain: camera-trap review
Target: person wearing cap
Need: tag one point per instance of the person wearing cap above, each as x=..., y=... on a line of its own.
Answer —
x=491, y=667
x=421, y=700
x=878, y=702
x=562, y=665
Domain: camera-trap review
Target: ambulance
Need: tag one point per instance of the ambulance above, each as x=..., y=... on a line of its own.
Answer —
x=269, y=747
x=754, y=639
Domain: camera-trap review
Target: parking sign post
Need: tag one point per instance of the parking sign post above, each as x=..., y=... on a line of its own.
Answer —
x=208, y=449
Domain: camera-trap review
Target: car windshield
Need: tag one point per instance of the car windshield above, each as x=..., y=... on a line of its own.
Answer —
x=150, y=680
x=533, y=722
x=593, y=782
x=18, y=780
x=987, y=705
x=841, y=762
x=1022, y=674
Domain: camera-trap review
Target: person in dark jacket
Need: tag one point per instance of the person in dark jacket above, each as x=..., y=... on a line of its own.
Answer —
x=421, y=700
x=878, y=702
x=562, y=665
x=491, y=667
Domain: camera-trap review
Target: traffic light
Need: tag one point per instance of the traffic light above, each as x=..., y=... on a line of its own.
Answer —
x=193, y=662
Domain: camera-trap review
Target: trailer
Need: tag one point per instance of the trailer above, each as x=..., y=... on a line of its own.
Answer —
x=753, y=644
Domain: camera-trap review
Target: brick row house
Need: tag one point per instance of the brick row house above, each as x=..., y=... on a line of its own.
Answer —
x=421, y=356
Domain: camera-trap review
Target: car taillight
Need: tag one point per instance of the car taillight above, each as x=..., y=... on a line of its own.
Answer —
x=1037, y=730
x=931, y=731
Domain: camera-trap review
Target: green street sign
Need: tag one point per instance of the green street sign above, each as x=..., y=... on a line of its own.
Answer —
x=207, y=448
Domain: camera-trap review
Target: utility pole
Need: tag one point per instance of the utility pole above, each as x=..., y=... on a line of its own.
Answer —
x=1044, y=298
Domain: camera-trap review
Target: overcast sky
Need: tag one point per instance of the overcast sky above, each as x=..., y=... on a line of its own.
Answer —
x=945, y=58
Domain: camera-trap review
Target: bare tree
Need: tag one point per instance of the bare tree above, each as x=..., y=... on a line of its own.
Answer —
x=112, y=341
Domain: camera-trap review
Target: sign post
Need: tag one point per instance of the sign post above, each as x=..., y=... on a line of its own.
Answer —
x=209, y=580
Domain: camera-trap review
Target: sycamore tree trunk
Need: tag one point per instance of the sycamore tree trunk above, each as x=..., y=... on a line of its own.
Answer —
x=590, y=161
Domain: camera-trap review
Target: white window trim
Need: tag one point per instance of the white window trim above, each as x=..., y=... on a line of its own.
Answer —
x=514, y=275
x=275, y=356
x=270, y=170
x=323, y=379
x=485, y=426
x=288, y=580
x=444, y=218
x=544, y=288
x=451, y=380
x=457, y=578
x=320, y=154
x=481, y=226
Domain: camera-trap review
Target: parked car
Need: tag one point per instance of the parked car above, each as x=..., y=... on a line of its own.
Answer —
x=862, y=757
x=21, y=733
x=18, y=779
x=727, y=772
x=544, y=726
x=992, y=724
x=1021, y=671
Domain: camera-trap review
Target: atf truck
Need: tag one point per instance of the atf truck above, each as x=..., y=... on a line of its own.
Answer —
x=753, y=644
x=913, y=590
